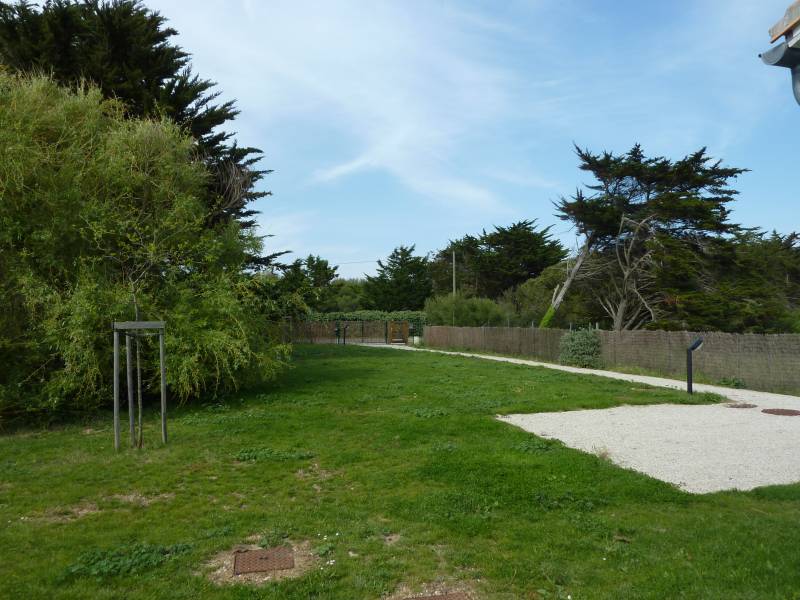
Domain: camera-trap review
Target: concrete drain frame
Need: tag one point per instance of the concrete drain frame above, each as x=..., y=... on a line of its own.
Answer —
x=782, y=412
x=279, y=558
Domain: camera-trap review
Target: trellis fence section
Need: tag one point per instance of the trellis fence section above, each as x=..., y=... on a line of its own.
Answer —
x=762, y=362
x=315, y=332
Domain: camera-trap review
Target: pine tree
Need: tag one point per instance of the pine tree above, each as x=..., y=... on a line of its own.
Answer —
x=402, y=283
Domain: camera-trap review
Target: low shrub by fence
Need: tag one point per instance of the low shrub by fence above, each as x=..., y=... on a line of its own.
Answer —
x=761, y=362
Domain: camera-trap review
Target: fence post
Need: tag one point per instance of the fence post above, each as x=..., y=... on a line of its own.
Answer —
x=116, y=389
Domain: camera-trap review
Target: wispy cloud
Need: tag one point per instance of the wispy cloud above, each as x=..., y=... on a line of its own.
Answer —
x=402, y=87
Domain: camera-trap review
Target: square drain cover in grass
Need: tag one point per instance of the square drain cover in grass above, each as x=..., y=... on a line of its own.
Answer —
x=260, y=561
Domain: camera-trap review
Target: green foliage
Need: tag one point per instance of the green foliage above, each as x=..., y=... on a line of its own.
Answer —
x=124, y=48
x=495, y=261
x=749, y=282
x=346, y=295
x=402, y=283
x=581, y=348
x=530, y=302
x=465, y=312
x=95, y=210
x=685, y=198
x=645, y=204
x=308, y=280
x=547, y=318
x=125, y=560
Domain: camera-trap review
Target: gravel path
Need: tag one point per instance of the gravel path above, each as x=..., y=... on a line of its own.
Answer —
x=700, y=449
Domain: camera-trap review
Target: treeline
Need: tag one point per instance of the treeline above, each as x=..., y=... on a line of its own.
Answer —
x=658, y=250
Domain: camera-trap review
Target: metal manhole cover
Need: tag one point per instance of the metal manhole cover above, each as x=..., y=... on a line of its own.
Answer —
x=785, y=412
x=259, y=561
x=740, y=405
x=453, y=596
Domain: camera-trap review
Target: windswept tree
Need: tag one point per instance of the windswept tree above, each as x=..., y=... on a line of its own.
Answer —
x=401, y=283
x=125, y=49
x=636, y=203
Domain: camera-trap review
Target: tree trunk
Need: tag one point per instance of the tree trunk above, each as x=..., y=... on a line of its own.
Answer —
x=561, y=291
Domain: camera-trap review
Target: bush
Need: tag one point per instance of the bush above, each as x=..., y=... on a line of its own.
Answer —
x=581, y=348
x=95, y=208
x=464, y=312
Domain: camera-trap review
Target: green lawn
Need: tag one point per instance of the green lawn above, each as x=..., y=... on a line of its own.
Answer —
x=354, y=444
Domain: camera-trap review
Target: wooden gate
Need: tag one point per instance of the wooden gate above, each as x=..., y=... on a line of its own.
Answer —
x=398, y=332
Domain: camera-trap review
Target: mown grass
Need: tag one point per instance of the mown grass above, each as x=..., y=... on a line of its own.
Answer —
x=354, y=444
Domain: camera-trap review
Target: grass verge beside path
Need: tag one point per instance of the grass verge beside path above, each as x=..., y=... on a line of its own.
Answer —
x=356, y=446
x=697, y=377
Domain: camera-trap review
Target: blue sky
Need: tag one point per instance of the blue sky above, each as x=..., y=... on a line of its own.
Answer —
x=404, y=122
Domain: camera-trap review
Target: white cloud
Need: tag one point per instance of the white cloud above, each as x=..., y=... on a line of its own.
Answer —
x=402, y=83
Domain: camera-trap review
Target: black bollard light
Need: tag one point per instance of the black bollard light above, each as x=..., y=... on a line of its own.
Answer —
x=696, y=345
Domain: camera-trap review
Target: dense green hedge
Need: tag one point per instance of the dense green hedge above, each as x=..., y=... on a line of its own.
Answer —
x=462, y=311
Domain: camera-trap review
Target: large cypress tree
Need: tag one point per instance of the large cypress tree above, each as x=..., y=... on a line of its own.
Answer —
x=401, y=283
x=126, y=50
x=684, y=200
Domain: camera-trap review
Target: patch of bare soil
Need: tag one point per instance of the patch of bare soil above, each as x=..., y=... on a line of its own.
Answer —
x=65, y=514
x=390, y=539
x=314, y=472
x=439, y=590
x=220, y=567
x=139, y=499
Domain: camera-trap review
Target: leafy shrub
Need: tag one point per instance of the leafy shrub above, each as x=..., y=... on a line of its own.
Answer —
x=581, y=348
x=94, y=208
x=125, y=560
x=461, y=311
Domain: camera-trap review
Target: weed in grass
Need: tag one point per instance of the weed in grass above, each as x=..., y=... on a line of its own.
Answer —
x=278, y=536
x=535, y=445
x=255, y=454
x=217, y=532
x=124, y=560
x=731, y=382
x=429, y=413
x=324, y=550
x=567, y=501
x=444, y=447
x=454, y=505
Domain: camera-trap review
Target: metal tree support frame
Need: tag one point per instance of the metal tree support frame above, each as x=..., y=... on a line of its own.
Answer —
x=130, y=330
